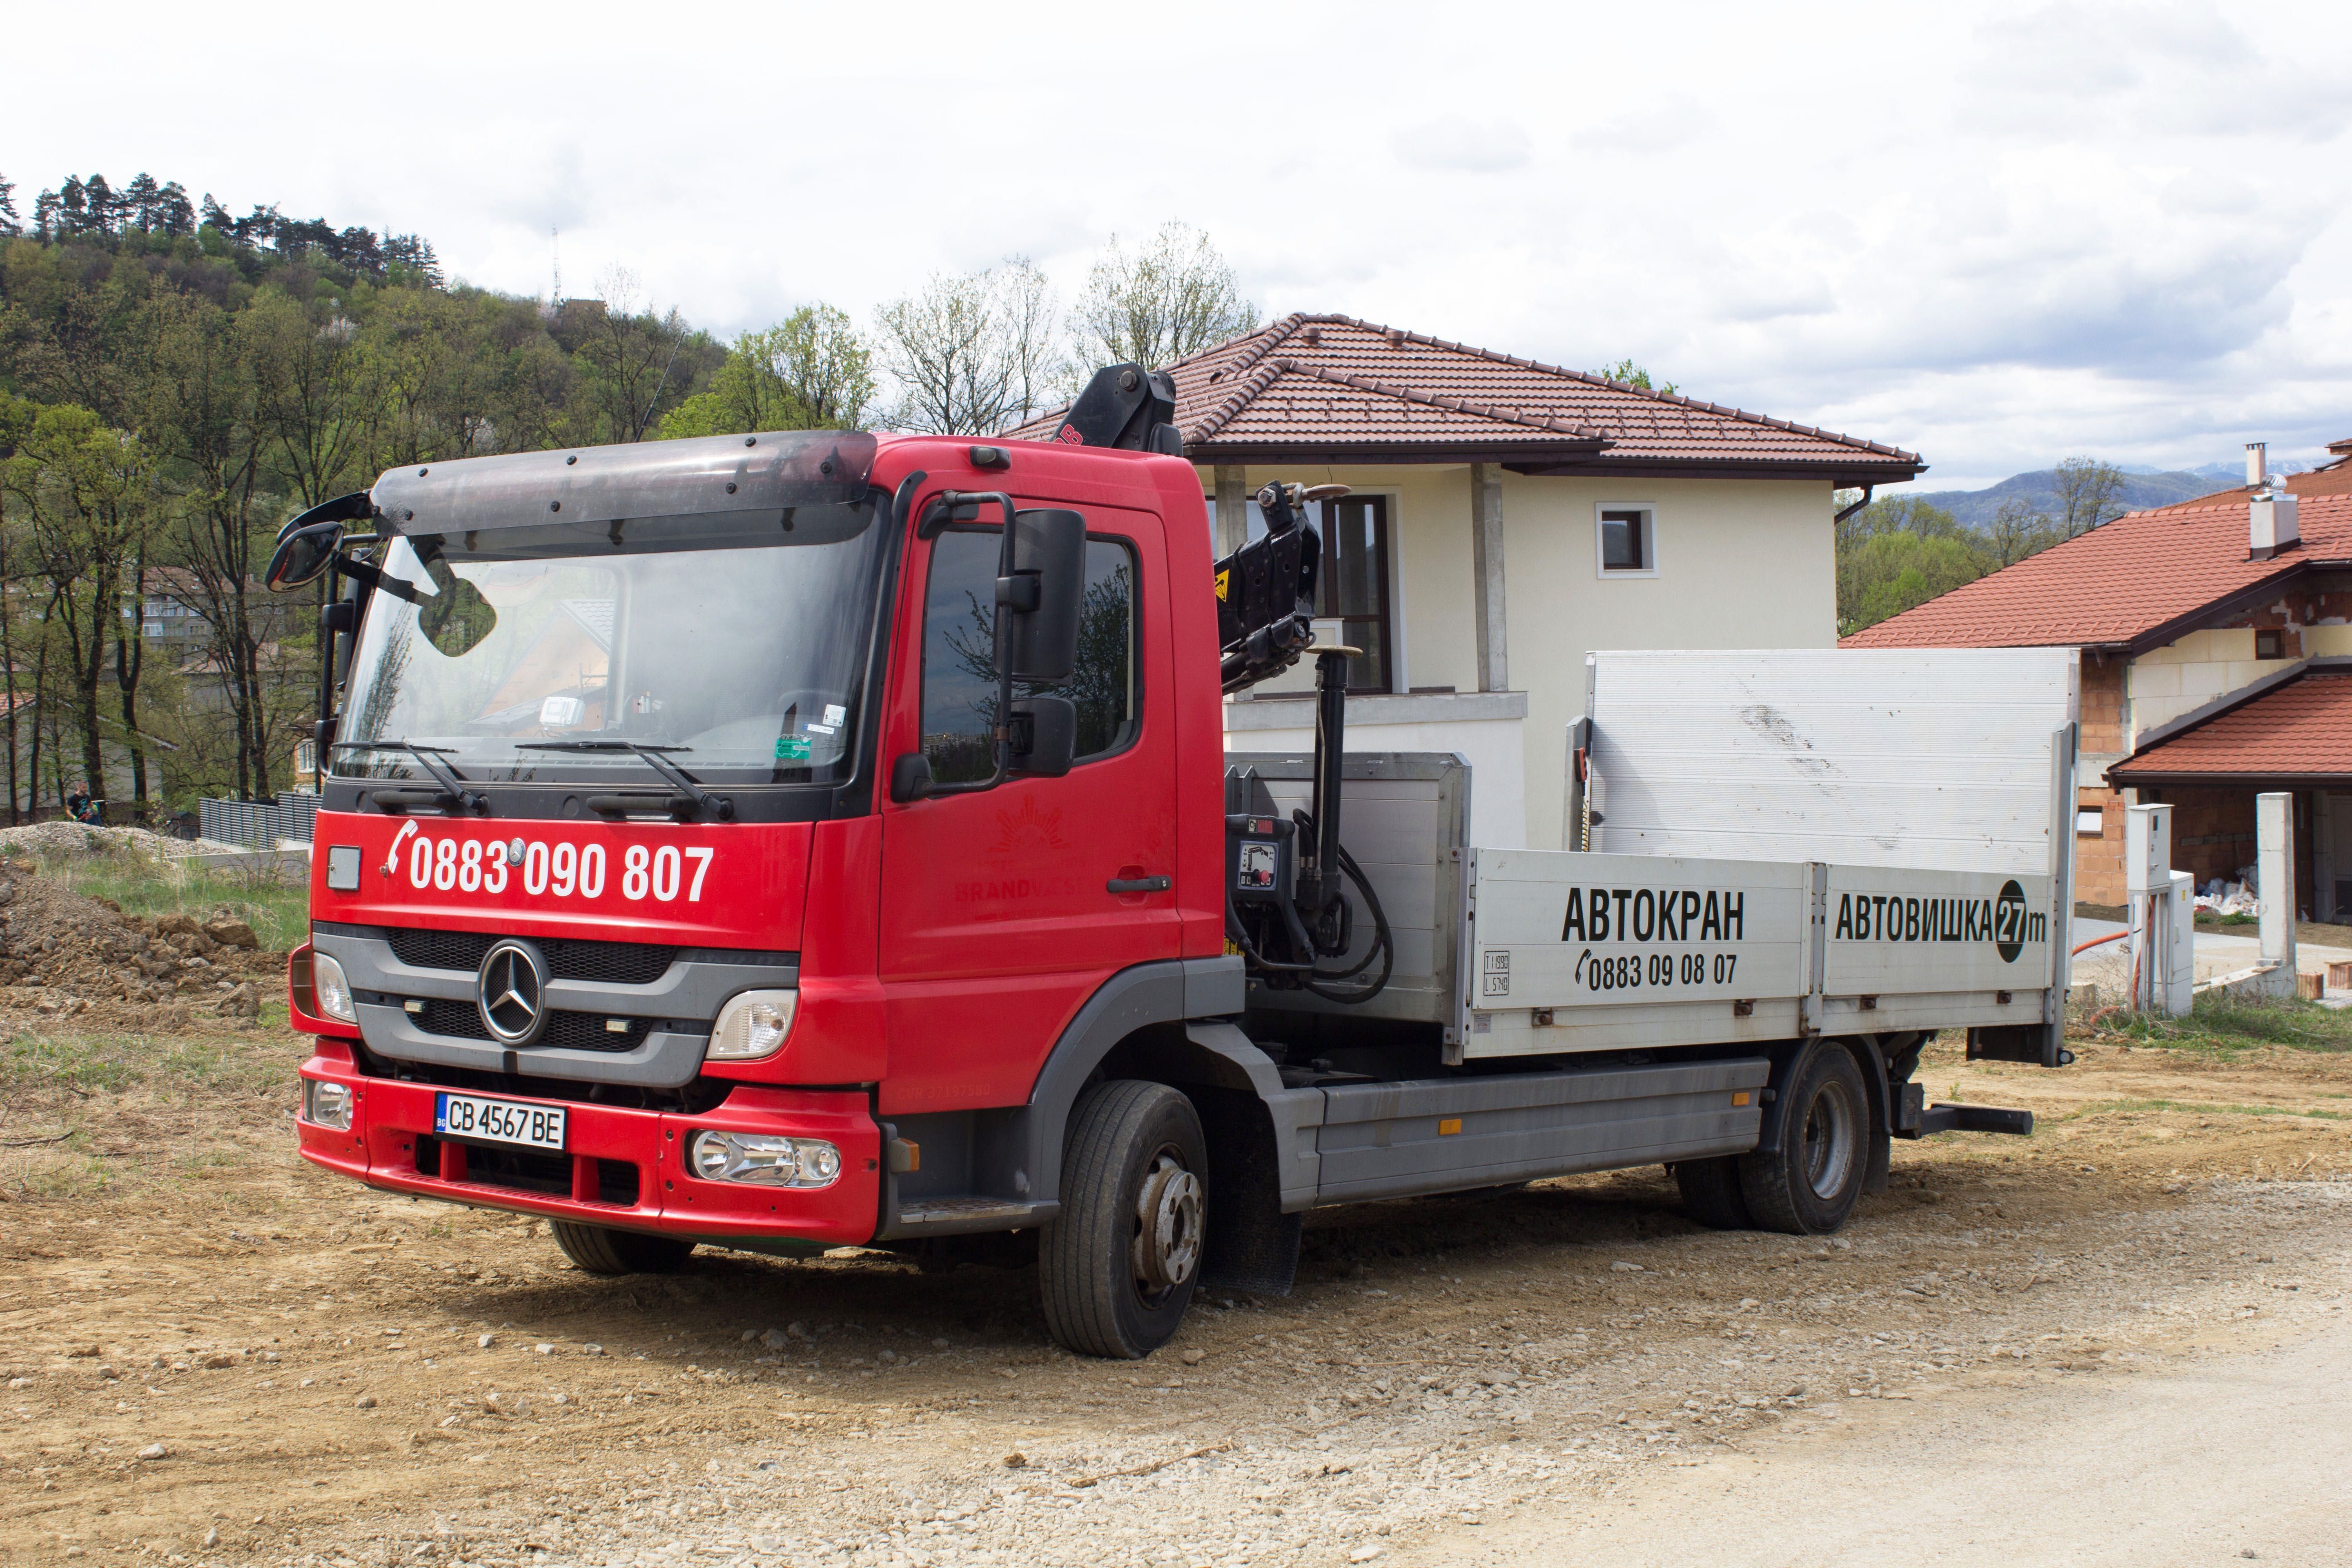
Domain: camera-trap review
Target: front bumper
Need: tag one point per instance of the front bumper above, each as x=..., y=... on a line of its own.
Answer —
x=621, y=1168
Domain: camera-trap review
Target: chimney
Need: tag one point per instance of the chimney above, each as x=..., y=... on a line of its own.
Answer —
x=2270, y=515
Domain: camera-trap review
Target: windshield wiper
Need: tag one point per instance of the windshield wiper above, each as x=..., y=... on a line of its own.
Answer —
x=453, y=788
x=719, y=805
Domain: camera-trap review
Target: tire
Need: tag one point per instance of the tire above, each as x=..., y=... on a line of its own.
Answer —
x=1119, y=1266
x=1810, y=1186
x=593, y=1250
x=1711, y=1194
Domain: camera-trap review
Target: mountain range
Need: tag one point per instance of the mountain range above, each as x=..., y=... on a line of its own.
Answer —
x=2140, y=491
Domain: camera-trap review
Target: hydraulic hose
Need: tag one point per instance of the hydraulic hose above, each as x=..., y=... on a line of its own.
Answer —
x=1383, y=943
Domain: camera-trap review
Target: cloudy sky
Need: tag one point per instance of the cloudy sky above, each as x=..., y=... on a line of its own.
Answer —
x=1997, y=235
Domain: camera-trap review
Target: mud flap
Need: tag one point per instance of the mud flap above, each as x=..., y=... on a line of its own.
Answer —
x=1252, y=1245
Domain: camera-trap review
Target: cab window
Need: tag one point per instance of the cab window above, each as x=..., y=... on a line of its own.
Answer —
x=959, y=655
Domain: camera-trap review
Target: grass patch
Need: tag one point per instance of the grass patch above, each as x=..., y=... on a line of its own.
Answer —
x=2221, y=1023
x=278, y=911
x=2192, y=1108
x=115, y=1063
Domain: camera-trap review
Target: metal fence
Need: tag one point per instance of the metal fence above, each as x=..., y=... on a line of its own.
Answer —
x=259, y=823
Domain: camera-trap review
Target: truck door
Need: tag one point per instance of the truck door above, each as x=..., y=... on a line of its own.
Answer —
x=998, y=914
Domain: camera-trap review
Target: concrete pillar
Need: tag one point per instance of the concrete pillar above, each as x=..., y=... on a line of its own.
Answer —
x=1486, y=575
x=1232, y=501
x=2274, y=883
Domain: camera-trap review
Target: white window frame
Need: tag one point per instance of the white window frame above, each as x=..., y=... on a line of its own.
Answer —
x=1649, y=511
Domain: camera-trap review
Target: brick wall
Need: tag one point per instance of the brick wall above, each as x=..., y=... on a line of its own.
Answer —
x=2099, y=862
x=2102, y=704
x=2214, y=836
x=2213, y=831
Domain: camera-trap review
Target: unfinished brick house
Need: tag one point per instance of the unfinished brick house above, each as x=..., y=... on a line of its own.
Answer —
x=2216, y=640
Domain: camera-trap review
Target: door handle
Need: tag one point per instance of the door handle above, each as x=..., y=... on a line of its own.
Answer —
x=1138, y=885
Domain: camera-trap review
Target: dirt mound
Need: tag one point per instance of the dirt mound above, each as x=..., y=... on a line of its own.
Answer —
x=79, y=838
x=62, y=954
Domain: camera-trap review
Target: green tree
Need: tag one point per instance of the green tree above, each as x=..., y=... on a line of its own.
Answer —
x=83, y=490
x=1628, y=373
x=1897, y=553
x=809, y=371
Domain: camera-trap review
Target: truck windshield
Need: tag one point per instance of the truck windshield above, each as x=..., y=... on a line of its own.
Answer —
x=736, y=643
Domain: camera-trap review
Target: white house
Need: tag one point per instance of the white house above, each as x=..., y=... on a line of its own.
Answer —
x=1505, y=518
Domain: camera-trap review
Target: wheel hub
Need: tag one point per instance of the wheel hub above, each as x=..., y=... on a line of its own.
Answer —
x=1167, y=1224
x=1830, y=1139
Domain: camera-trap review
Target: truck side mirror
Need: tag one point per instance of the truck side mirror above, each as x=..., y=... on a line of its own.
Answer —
x=301, y=556
x=910, y=777
x=1045, y=736
x=1047, y=585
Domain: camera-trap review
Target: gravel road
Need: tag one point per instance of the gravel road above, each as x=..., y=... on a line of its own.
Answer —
x=2212, y=1458
x=225, y=1358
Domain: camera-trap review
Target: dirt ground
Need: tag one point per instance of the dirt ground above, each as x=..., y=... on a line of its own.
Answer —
x=216, y=1354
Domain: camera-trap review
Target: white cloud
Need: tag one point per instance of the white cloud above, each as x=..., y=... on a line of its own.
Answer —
x=1994, y=234
x=1456, y=145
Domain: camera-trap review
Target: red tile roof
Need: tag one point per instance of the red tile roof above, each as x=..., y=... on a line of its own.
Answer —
x=1340, y=389
x=2139, y=576
x=2301, y=728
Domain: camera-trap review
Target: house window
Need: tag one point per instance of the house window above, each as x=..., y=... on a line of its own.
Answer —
x=2270, y=645
x=1353, y=582
x=2090, y=824
x=1625, y=539
x=959, y=652
x=1354, y=587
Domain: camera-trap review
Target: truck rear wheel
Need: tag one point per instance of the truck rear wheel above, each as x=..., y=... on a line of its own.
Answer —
x=595, y=1250
x=1711, y=1194
x=1119, y=1266
x=1809, y=1186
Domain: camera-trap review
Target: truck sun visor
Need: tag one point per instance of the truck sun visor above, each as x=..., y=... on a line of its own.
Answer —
x=765, y=472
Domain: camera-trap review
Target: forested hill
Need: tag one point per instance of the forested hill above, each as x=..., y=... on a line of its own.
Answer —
x=2039, y=491
x=175, y=382
x=147, y=215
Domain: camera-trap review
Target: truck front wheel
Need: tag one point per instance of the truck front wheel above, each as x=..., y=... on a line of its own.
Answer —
x=1807, y=1187
x=1119, y=1266
x=595, y=1250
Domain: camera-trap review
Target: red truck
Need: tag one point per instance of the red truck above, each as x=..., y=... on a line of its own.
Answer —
x=786, y=841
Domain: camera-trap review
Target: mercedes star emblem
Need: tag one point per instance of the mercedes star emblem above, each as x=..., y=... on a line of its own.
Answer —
x=511, y=991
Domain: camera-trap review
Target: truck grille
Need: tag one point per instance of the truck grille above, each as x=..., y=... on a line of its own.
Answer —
x=457, y=1020
x=616, y=963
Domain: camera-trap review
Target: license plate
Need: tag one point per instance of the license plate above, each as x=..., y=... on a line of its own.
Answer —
x=498, y=1121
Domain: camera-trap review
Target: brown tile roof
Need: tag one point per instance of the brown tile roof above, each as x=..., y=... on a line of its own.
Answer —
x=2299, y=727
x=1337, y=388
x=2138, y=582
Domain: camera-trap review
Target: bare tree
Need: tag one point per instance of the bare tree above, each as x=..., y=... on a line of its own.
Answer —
x=1158, y=303
x=1032, y=318
x=2018, y=530
x=633, y=353
x=974, y=354
x=2086, y=491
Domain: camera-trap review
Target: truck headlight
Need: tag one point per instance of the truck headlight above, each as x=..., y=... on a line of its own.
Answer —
x=753, y=1024
x=334, y=992
x=769, y=1160
x=326, y=1104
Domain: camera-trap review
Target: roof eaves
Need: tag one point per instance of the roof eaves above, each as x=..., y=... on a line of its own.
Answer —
x=2207, y=712
x=2166, y=632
